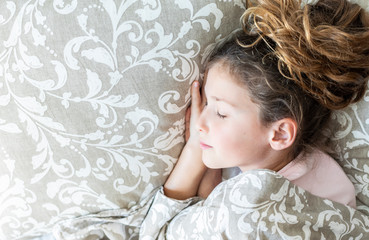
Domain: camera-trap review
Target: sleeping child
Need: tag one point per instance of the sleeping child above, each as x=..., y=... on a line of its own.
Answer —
x=268, y=93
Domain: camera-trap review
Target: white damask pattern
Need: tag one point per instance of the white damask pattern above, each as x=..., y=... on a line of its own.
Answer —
x=92, y=99
x=351, y=142
x=92, y=96
x=258, y=204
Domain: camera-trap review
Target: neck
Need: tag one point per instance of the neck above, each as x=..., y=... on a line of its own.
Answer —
x=273, y=160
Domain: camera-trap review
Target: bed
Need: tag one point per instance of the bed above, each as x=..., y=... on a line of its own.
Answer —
x=92, y=102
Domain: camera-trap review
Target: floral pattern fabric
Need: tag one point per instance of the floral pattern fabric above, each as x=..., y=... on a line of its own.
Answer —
x=92, y=102
x=257, y=204
x=350, y=130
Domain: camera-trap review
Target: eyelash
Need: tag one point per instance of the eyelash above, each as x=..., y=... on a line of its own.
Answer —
x=218, y=114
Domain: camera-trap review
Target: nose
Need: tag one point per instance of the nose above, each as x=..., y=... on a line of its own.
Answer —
x=201, y=122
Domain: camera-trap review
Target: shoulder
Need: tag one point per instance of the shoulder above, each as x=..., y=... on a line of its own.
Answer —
x=324, y=177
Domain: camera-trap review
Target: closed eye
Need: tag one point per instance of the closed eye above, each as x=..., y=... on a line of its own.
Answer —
x=220, y=115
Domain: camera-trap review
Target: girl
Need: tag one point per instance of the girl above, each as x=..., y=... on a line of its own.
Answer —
x=269, y=92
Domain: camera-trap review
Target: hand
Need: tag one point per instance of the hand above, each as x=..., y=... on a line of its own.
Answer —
x=212, y=177
x=185, y=179
x=193, y=113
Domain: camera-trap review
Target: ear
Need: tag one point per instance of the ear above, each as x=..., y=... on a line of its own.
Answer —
x=283, y=134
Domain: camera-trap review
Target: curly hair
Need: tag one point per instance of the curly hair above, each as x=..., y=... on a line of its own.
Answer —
x=322, y=47
x=299, y=62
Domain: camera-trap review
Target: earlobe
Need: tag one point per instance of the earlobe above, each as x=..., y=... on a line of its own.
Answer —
x=283, y=134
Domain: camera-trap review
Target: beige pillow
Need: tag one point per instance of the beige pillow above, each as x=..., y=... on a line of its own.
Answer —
x=351, y=143
x=363, y=3
x=92, y=101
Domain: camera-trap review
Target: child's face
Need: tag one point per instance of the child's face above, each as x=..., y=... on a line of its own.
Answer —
x=231, y=133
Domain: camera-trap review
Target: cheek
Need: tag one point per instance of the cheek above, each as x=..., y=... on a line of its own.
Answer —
x=232, y=140
x=241, y=141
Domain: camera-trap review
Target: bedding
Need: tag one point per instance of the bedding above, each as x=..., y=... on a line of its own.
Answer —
x=92, y=102
x=258, y=204
x=350, y=141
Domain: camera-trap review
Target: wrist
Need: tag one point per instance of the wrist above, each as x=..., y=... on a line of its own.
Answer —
x=186, y=176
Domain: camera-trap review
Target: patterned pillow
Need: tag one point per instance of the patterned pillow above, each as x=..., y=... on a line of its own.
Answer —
x=351, y=143
x=363, y=3
x=92, y=101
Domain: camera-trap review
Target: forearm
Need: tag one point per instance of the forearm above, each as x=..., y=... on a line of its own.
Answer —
x=187, y=174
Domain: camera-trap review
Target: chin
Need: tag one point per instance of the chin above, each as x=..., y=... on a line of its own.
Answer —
x=210, y=164
x=207, y=163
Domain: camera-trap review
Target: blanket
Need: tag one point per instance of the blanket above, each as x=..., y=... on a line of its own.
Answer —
x=257, y=204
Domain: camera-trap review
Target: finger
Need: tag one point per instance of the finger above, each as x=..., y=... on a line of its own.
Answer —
x=188, y=114
x=196, y=98
x=187, y=123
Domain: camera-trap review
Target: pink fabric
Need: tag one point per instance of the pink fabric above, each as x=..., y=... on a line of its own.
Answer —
x=321, y=175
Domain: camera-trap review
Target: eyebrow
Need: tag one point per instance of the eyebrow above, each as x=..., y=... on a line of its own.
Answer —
x=222, y=100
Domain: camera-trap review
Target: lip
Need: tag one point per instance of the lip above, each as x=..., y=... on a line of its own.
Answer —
x=204, y=146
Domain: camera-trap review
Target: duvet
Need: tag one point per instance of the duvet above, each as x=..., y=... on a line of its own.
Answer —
x=258, y=204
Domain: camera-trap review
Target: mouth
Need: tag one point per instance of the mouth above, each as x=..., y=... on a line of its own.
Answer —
x=204, y=146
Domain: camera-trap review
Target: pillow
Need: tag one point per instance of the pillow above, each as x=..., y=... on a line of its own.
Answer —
x=350, y=141
x=92, y=102
x=363, y=3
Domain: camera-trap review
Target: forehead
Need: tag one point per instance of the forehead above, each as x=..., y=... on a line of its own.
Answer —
x=224, y=88
x=220, y=83
x=219, y=75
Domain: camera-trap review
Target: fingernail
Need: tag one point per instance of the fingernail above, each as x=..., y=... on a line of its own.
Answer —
x=196, y=84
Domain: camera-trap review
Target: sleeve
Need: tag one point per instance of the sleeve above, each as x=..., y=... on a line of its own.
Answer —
x=146, y=220
x=160, y=213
